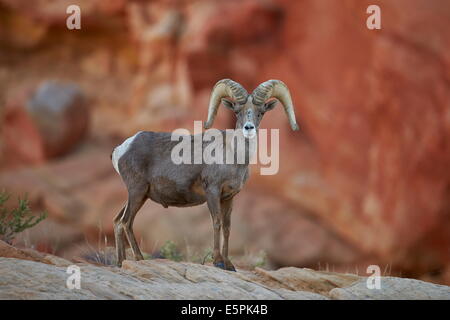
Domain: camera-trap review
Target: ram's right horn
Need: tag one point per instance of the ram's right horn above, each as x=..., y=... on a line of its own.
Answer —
x=276, y=89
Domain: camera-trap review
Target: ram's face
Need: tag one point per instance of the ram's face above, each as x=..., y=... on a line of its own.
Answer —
x=248, y=120
x=250, y=108
x=249, y=115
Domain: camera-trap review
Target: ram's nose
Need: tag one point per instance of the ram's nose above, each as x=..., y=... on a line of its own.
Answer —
x=249, y=130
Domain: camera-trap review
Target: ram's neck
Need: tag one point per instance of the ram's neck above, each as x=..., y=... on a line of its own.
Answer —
x=228, y=147
x=241, y=149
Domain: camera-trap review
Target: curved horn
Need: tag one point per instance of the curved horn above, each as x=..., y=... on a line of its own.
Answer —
x=276, y=89
x=224, y=88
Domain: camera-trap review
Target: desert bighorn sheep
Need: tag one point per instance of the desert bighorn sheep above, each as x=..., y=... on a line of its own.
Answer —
x=145, y=165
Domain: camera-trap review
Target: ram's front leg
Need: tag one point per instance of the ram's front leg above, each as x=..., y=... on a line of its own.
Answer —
x=213, y=201
x=226, y=206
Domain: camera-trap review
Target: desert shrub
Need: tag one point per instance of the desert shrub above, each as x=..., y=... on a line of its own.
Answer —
x=261, y=260
x=16, y=220
x=169, y=250
x=207, y=256
x=203, y=257
x=103, y=257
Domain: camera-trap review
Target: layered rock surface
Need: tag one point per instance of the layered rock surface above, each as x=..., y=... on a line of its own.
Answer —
x=165, y=279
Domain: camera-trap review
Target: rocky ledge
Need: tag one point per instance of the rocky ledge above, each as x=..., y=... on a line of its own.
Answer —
x=28, y=274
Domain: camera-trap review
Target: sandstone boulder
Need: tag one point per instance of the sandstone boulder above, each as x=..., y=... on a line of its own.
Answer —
x=61, y=115
x=44, y=123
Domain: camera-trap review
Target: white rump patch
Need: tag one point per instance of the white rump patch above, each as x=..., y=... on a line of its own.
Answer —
x=120, y=150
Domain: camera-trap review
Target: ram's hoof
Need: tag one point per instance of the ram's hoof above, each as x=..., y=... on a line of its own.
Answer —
x=220, y=265
x=231, y=268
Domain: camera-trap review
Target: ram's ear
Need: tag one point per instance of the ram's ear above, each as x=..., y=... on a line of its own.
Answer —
x=229, y=104
x=270, y=105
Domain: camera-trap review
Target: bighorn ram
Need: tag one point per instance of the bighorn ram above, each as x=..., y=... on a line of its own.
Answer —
x=145, y=165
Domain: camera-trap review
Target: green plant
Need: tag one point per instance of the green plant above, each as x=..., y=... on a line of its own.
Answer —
x=16, y=220
x=206, y=256
x=261, y=259
x=169, y=250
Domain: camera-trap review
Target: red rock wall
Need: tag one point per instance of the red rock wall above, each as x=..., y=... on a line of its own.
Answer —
x=371, y=162
x=374, y=107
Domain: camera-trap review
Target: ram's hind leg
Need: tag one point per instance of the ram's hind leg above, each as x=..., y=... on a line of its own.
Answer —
x=119, y=237
x=137, y=195
x=123, y=222
x=132, y=239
